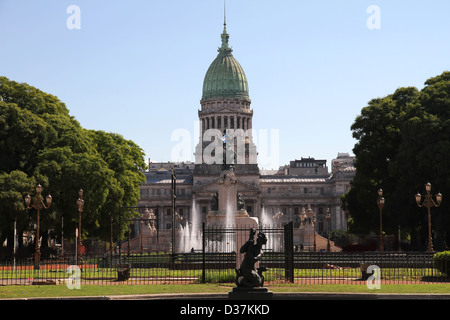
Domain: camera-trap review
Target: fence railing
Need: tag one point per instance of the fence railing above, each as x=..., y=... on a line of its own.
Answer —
x=198, y=267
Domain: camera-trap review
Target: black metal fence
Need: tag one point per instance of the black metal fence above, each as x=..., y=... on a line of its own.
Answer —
x=200, y=267
x=216, y=262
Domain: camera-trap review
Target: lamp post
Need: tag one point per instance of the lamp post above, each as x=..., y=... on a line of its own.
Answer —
x=277, y=217
x=380, y=202
x=38, y=204
x=314, y=230
x=174, y=198
x=80, y=204
x=347, y=214
x=312, y=217
x=309, y=217
x=328, y=215
x=428, y=202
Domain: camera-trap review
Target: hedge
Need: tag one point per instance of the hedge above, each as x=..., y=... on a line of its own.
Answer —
x=441, y=261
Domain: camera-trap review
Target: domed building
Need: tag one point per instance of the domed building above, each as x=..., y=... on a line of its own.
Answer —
x=280, y=196
x=225, y=104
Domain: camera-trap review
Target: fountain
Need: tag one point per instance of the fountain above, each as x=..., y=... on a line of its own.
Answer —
x=190, y=233
x=266, y=218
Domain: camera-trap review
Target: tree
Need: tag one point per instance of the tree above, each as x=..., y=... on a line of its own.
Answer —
x=403, y=141
x=126, y=160
x=12, y=207
x=41, y=143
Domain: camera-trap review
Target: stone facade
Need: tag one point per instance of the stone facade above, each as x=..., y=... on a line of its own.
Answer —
x=280, y=197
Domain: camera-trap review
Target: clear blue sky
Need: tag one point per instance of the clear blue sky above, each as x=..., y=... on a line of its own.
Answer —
x=136, y=67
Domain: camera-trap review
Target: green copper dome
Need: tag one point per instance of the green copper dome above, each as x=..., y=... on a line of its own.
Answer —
x=225, y=77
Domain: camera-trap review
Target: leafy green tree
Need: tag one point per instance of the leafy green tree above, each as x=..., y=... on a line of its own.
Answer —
x=41, y=143
x=12, y=187
x=403, y=141
x=126, y=159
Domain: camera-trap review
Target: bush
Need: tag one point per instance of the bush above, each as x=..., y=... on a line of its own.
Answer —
x=441, y=262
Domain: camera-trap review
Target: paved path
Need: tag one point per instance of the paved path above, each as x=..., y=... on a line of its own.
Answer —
x=276, y=296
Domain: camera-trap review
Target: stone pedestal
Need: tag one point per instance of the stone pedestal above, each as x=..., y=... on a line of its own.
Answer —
x=258, y=293
x=243, y=224
x=227, y=193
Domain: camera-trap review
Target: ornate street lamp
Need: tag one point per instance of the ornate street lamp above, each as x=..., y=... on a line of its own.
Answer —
x=428, y=203
x=380, y=202
x=309, y=217
x=328, y=215
x=314, y=230
x=174, y=199
x=80, y=204
x=347, y=214
x=38, y=204
x=277, y=217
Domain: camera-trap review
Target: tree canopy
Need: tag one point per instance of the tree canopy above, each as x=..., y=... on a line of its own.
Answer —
x=41, y=143
x=403, y=142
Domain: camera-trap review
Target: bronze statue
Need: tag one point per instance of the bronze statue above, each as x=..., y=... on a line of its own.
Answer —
x=248, y=275
x=227, y=151
x=240, y=202
x=215, y=202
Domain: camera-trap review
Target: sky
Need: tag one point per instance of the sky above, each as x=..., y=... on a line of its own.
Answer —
x=136, y=67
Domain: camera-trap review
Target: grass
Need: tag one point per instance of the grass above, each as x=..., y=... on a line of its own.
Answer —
x=17, y=292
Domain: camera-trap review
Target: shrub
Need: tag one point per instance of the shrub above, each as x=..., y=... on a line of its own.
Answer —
x=441, y=261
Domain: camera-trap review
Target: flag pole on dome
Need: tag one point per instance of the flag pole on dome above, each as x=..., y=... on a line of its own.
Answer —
x=224, y=12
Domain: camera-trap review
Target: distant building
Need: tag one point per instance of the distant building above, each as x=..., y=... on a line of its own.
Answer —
x=343, y=161
x=308, y=167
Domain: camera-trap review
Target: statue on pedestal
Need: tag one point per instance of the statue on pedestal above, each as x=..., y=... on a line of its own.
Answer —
x=240, y=203
x=228, y=153
x=248, y=275
x=215, y=202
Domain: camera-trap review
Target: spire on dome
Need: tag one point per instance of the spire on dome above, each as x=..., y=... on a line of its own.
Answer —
x=225, y=48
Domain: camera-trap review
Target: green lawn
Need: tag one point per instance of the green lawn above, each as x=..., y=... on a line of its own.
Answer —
x=17, y=292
